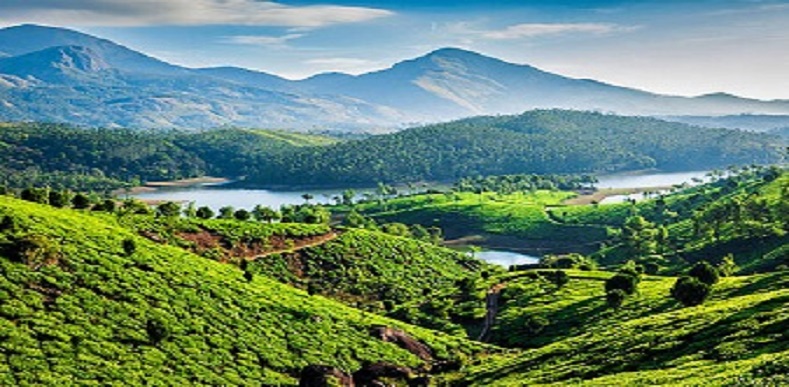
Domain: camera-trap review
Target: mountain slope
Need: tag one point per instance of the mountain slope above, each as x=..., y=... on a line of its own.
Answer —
x=87, y=302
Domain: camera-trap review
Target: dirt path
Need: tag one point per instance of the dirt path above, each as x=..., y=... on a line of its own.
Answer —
x=492, y=306
x=300, y=245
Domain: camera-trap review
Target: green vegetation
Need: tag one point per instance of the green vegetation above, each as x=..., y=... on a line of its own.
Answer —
x=738, y=336
x=80, y=305
x=516, y=220
x=400, y=277
x=552, y=141
x=61, y=156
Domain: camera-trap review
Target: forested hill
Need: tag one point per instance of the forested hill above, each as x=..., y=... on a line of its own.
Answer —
x=545, y=141
x=63, y=156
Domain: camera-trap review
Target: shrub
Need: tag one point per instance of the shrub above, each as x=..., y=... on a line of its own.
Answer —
x=705, y=273
x=690, y=291
x=615, y=297
x=622, y=281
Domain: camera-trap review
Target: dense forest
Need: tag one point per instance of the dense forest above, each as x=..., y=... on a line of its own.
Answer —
x=550, y=141
x=62, y=156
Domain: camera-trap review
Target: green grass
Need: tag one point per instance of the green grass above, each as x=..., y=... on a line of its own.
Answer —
x=738, y=336
x=520, y=215
x=75, y=308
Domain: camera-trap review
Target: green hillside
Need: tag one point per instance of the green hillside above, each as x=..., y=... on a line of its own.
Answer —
x=739, y=336
x=83, y=301
x=550, y=141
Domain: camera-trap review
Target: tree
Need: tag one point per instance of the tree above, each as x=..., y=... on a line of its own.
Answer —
x=690, y=291
x=205, y=212
x=640, y=236
x=242, y=214
x=354, y=219
x=59, y=198
x=705, y=273
x=226, y=212
x=168, y=210
x=347, y=197
x=728, y=267
x=35, y=195
x=307, y=197
x=265, y=214
x=191, y=210
x=622, y=281
x=107, y=205
x=80, y=201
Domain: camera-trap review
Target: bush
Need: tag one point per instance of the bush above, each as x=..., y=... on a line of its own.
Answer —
x=690, y=291
x=705, y=273
x=622, y=281
x=615, y=297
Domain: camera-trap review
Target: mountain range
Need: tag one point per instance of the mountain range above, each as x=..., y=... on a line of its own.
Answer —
x=60, y=75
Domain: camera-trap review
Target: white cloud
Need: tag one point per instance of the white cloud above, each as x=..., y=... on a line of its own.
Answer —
x=531, y=30
x=182, y=12
x=262, y=40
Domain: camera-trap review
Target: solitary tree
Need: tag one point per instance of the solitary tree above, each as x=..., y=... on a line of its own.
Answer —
x=690, y=291
x=705, y=273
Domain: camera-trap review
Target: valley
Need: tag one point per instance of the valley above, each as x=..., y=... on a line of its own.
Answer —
x=428, y=206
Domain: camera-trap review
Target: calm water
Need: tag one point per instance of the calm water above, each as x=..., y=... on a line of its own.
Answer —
x=506, y=258
x=215, y=196
x=648, y=179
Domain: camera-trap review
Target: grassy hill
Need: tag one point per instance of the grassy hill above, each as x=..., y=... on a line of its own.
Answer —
x=83, y=301
x=517, y=221
x=738, y=336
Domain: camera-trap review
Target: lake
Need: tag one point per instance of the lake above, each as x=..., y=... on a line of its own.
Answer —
x=506, y=258
x=648, y=179
x=216, y=196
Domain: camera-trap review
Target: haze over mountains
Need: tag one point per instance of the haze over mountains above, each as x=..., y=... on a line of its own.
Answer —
x=55, y=74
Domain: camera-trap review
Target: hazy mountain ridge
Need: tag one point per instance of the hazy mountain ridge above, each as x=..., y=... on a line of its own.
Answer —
x=55, y=74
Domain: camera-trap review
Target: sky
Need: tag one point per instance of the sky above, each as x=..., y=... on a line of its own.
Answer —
x=671, y=47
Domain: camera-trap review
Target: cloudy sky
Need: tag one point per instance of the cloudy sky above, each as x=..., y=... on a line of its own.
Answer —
x=673, y=47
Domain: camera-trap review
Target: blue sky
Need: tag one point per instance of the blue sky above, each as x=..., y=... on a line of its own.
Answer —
x=673, y=47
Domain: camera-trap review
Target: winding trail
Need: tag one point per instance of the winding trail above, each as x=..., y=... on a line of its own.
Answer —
x=492, y=305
